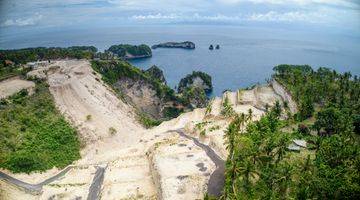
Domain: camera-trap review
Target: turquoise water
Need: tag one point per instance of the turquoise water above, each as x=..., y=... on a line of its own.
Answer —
x=247, y=54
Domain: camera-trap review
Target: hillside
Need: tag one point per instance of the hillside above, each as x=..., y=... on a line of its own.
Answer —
x=237, y=146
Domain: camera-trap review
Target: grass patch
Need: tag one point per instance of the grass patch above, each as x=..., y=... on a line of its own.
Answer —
x=148, y=122
x=34, y=136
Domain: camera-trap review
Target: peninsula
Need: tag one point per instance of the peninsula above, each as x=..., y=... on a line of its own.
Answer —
x=183, y=45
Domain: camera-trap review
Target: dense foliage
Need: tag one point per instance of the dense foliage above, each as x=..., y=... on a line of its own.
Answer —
x=195, y=96
x=123, y=49
x=42, y=53
x=322, y=88
x=260, y=166
x=155, y=72
x=34, y=136
x=188, y=81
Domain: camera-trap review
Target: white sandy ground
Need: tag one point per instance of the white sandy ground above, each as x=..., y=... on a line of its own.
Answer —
x=14, y=85
x=140, y=163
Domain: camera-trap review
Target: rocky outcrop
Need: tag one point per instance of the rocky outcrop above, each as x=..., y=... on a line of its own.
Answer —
x=157, y=73
x=183, y=45
x=142, y=94
x=196, y=79
x=145, y=90
x=194, y=87
x=127, y=51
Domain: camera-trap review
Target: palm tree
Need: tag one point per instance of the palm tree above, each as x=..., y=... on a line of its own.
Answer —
x=247, y=171
x=282, y=147
x=285, y=179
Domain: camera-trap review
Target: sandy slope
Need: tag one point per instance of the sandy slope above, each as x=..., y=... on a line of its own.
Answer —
x=78, y=93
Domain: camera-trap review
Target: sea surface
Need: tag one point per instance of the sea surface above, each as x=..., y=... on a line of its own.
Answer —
x=247, y=55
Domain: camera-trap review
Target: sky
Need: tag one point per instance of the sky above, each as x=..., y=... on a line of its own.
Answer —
x=18, y=15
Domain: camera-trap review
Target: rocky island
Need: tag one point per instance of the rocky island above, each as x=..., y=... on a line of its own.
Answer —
x=183, y=45
x=126, y=51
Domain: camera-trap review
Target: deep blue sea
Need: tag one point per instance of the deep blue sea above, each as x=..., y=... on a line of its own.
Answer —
x=247, y=54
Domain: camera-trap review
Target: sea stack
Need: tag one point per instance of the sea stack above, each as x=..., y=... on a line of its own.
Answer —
x=211, y=47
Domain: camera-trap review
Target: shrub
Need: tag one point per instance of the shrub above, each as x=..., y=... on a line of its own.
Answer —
x=112, y=131
x=88, y=117
x=303, y=129
x=34, y=136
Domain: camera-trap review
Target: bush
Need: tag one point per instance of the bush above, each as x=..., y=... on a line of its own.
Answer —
x=112, y=131
x=303, y=129
x=34, y=136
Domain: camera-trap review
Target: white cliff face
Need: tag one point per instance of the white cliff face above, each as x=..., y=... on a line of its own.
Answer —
x=280, y=90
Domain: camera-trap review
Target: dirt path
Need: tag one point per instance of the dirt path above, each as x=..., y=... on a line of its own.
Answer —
x=33, y=188
x=95, y=188
x=217, y=178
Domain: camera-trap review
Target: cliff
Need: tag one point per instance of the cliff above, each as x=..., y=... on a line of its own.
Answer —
x=145, y=90
x=183, y=45
x=196, y=79
x=155, y=72
x=285, y=95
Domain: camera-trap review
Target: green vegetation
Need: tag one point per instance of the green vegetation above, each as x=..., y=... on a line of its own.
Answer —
x=189, y=80
x=194, y=96
x=112, y=71
x=259, y=165
x=227, y=110
x=148, y=122
x=112, y=131
x=22, y=56
x=34, y=136
x=209, y=106
x=155, y=72
x=88, y=117
x=11, y=60
x=123, y=49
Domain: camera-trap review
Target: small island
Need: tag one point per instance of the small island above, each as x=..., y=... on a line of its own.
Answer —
x=211, y=47
x=183, y=45
x=127, y=51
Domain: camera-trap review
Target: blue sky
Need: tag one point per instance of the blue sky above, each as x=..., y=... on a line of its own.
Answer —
x=32, y=14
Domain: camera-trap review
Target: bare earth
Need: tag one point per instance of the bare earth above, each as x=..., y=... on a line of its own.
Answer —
x=14, y=85
x=138, y=163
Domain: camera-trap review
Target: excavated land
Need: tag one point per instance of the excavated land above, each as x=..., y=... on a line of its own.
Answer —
x=13, y=85
x=170, y=161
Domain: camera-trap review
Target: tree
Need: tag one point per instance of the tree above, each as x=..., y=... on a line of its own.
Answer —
x=331, y=120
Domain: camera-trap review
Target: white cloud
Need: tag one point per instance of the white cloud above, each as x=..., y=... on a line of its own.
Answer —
x=344, y=3
x=194, y=17
x=23, y=21
x=312, y=17
x=271, y=16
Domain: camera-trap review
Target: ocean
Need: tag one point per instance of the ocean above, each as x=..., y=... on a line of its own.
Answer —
x=246, y=56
